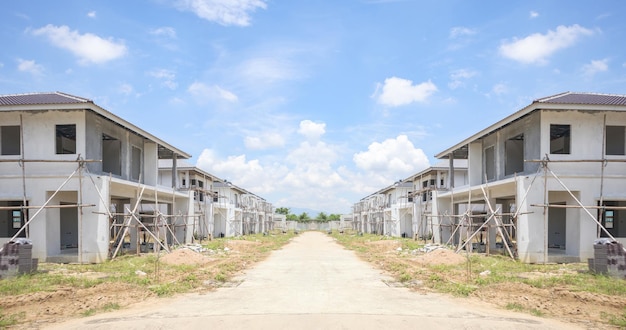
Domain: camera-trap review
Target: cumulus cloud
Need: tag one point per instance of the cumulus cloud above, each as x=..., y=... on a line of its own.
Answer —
x=223, y=12
x=397, y=92
x=458, y=77
x=533, y=14
x=393, y=157
x=91, y=14
x=29, y=66
x=165, y=31
x=536, y=48
x=461, y=31
x=89, y=48
x=265, y=140
x=204, y=93
x=311, y=130
x=595, y=67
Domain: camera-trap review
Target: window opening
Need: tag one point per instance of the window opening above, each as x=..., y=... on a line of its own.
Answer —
x=514, y=150
x=615, y=140
x=490, y=163
x=560, y=136
x=11, y=140
x=66, y=139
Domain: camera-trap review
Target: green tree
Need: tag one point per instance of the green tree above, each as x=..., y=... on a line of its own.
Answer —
x=334, y=217
x=283, y=210
x=304, y=217
x=292, y=217
x=322, y=217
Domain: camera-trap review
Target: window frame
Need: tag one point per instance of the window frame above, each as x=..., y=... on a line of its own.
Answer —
x=59, y=135
x=558, y=131
x=7, y=140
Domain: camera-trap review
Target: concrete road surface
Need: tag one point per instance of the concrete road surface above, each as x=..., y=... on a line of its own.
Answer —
x=313, y=283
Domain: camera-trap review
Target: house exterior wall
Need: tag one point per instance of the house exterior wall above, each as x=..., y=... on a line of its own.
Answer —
x=539, y=239
x=87, y=237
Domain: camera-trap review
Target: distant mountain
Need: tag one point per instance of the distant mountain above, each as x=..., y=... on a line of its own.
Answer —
x=299, y=210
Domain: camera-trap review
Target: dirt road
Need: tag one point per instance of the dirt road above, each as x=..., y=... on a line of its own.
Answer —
x=313, y=283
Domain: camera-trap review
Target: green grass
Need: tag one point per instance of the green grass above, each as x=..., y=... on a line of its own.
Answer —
x=616, y=320
x=502, y=270
x=9, y=320
x=514, y=307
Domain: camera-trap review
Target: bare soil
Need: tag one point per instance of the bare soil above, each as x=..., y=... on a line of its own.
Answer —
x=35, y=310
x=588, y=310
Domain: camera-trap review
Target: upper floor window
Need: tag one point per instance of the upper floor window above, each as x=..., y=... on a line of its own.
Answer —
x=560, y=136
x=490, y=163
x=615, y=140
x=66, y=139
x=10, y=140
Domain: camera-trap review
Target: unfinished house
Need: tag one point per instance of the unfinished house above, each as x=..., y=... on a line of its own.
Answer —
x=543, y=183
x=237, y=211
x=404, y=209
x=386, y=211
x=417, y=222
x=199, y=184
x=81, y=183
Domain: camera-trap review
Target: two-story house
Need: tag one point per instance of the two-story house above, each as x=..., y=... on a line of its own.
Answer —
x=190, y=178
x=435, y=178
x=80, y=181
x=551, y=178
x=239, y=212
x=385, y=212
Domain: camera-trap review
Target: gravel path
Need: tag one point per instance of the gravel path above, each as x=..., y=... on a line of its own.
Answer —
x=313, y=283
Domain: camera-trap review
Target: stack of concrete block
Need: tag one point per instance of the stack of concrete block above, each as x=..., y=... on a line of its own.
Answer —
x=16, y=258
x=9, y=260
x=616, y=260
x=599, y=264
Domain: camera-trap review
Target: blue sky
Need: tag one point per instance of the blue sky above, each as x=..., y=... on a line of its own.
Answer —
x=312, y=104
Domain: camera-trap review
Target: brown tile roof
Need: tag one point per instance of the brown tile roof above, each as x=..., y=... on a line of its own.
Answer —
x=41, y=98
x=584, y=98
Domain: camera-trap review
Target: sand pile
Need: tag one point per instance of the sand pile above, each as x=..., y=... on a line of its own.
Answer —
x=441, y=257
x=184, y=257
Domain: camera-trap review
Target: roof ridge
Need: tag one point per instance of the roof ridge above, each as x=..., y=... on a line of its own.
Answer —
x=548, y=98
x=78, y=98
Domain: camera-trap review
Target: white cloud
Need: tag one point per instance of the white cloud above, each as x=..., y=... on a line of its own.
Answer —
x=126, y=88
x=596, y=66
x=29, y=66
x=167, y=77
x=223, y=12
x=397, y=92
x=458, y=77
x=394, y=158
x=461, y=31
x=204, y=93
x=311, y=130
x=165, y=31
x=89, y=48
x=499, y=89
x=265, y=140
x=247, y=174
x=536, y=48
x=533, y=14
x=91, y=14
x=268, y=70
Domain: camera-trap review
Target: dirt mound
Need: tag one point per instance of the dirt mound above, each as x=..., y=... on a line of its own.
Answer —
x=241, y=245
x=441, y=257
x=385, y=245
x=184, y=257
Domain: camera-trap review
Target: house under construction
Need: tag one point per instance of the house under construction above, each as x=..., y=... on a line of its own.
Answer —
x=542, y=184
x=84, y=185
